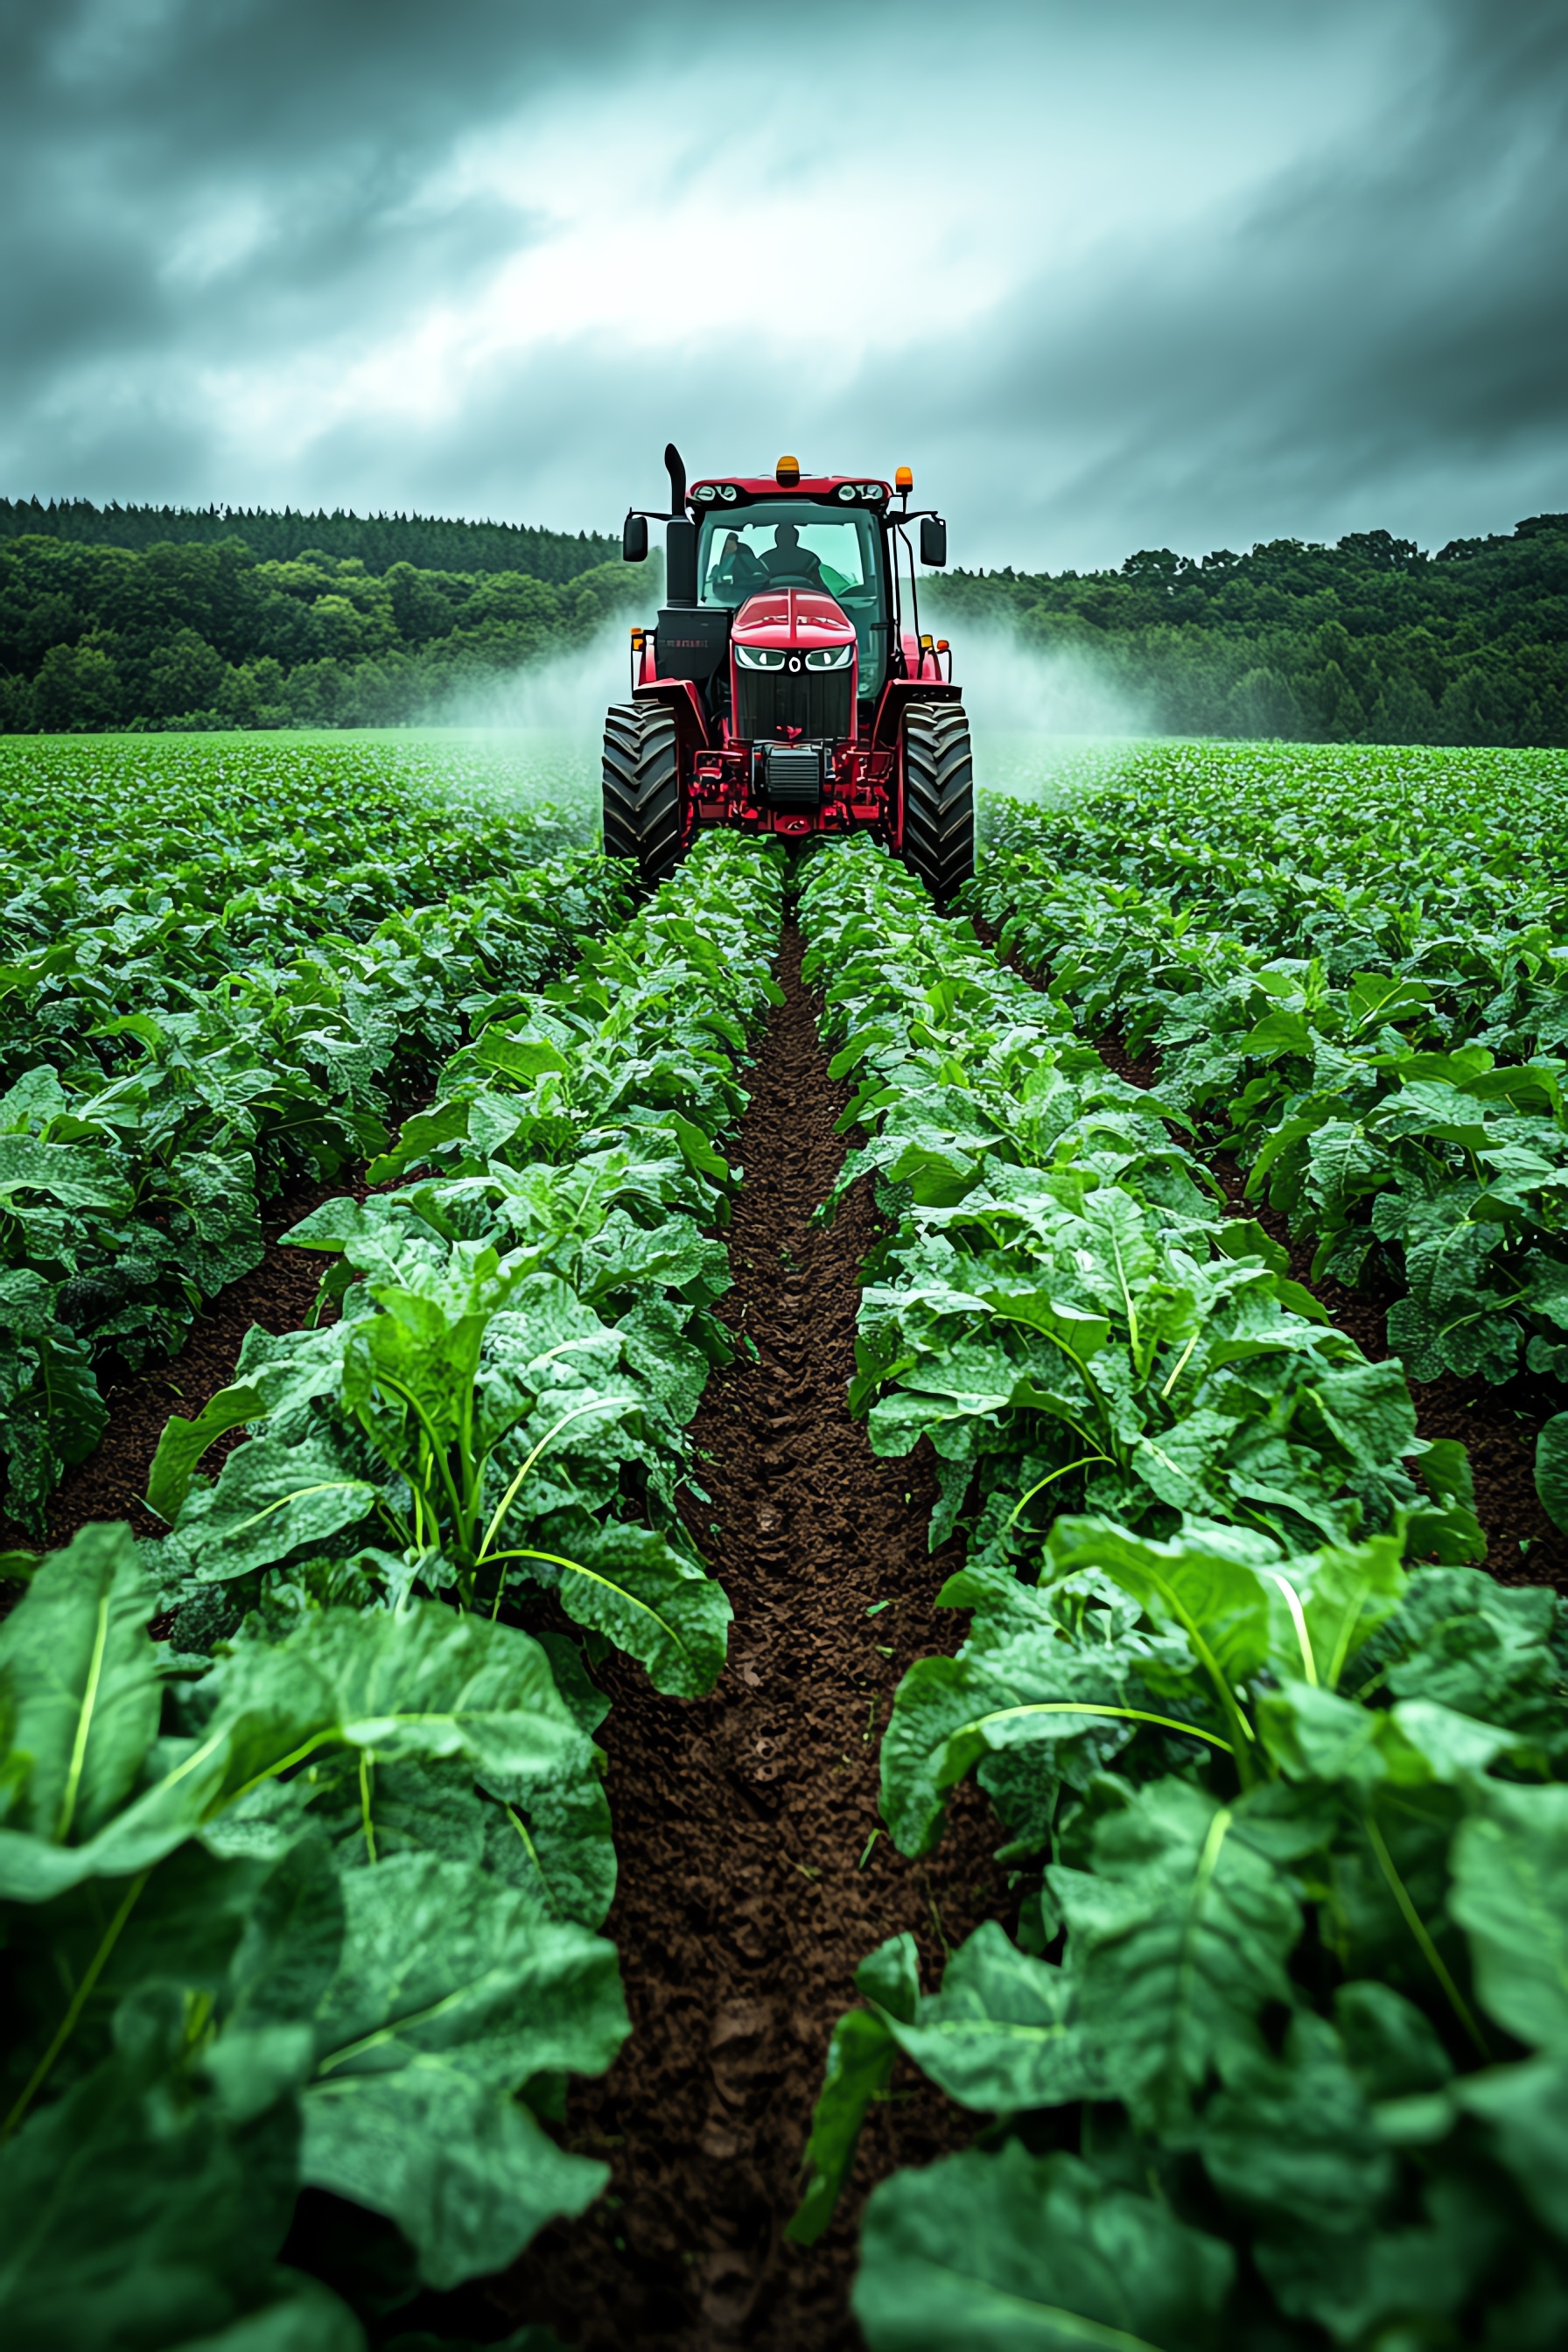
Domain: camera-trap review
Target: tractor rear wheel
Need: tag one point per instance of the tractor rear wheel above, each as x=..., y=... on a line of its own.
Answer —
x=642, y=789
x=939, y=797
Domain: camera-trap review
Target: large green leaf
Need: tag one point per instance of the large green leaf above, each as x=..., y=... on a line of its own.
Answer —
x=860, y=2058
x=136, y=2221
x=273, y=1498
x=183, y=1442
x=1492, y=1650
x=1058, y=1711
x=1178, y=1937
x=1220, y=1602
x=997, y=2036
x=1551, y=1469
x=66, y=1174
x=1409, y=2281
x=1510, y=1896
x=629, y=1584
x=1293, y=2138
x=304, y=2317
x=428, y=1683
x=425, y=1683
x=1527, y=2109
x=451, y=1994
x=554, y=1844
x=79, y=1685
x=1000, y=2036
x=1343, y=1594
x=1017, y=2253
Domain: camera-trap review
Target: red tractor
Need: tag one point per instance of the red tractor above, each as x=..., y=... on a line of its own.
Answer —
x=787, y=688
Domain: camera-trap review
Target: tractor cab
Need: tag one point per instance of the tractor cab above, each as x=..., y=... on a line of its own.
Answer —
x=807, y=548
x=787, y=687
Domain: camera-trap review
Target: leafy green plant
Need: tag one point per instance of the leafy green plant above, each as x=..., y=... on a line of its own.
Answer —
x=181, y=1047
x=1064, y=1315
x=484, y=1417
x=1273, y=2057
x=1297, y=2059
x=349, y=1851
x=1374, y=1023
x=474, y=1425
x=316, y=1916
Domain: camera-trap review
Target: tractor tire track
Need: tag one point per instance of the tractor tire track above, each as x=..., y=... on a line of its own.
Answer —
x=747, y=1895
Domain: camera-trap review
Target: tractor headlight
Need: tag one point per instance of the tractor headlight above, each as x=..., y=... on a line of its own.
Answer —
x=728, y=493
x=759, y=657
x=830, y=657
x=848, y=491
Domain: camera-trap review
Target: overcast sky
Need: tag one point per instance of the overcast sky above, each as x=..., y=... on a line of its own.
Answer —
x=1110, y=275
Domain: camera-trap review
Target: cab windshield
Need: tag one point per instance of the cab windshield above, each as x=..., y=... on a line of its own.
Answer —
x=789, y=543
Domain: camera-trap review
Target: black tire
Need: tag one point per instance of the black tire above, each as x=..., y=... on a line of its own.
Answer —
x=939, y=797
x=642, y=789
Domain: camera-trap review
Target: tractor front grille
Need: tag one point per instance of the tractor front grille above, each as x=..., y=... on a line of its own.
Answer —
x=814, y=704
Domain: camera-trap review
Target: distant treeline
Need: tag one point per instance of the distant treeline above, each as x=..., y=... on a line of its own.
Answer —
x=378, y=541
x=193, y=635
x=157, y=618
x=1370, y=641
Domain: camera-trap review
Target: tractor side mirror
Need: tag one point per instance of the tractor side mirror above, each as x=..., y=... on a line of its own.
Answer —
x=634, y=539
x=933, y=542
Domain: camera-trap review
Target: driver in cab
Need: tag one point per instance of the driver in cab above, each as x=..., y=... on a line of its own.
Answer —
x=787, y=563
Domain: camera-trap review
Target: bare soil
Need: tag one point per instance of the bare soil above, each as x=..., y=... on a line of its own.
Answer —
x=110, y=1483
x=742, y=1821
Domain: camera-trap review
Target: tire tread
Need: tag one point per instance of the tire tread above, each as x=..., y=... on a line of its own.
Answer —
x=642, y=789
x=939, y=797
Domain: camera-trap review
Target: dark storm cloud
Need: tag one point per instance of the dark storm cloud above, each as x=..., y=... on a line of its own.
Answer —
x=120, y=118
x=198, y=200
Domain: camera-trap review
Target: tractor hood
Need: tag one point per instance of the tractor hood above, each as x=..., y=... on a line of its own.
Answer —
x=792, y=619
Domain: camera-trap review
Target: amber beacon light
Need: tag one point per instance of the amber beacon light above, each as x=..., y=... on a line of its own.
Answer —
x=904, y=481
x=787, y=473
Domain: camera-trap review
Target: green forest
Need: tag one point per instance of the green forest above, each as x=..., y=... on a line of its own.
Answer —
x=199, y=635
x=142, y=617
x=1371, y=641
x=427, y=542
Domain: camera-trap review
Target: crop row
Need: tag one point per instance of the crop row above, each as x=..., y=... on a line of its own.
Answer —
x=1275, y=2055
x=308, y=1892
x=150, y=1115
x=221, y=979
x=1387, y=1062
x=310, y=837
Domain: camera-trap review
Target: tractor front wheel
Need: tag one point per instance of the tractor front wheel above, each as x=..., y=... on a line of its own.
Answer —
x=642, y=789
x=939, y=797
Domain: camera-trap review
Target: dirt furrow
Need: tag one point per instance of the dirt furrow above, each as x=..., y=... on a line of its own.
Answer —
x=110, y=1485
x=747, y=1895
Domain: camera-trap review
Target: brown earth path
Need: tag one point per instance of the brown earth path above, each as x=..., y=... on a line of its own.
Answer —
x=742, y=1822
x=110, y=1485
x=747, y=1895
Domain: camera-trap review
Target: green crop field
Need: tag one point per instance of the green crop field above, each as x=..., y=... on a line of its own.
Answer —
x=1212, y=1159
